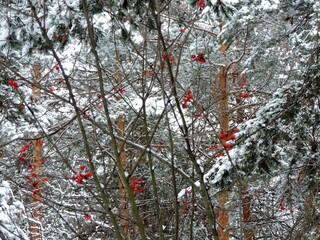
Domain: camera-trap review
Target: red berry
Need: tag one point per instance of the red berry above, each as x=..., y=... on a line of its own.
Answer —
x=137, y=189
x=227, y=145
x=220, y=154
x=79, y=179
x=82, y=167
x=22, y=157
x=88, y=174
x=233, y=137
x=244, y=95
x=223, y=136
x=235, y=129
x=13, y=84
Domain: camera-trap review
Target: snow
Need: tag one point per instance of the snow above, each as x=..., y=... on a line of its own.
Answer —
x=4, y=33
x=8, y=214
x=267, y=5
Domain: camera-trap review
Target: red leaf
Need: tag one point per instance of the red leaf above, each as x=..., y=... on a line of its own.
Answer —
x=87, y=216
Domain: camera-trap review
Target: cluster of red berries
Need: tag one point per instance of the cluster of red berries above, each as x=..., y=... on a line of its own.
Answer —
x=33, y=175
x=147, y=73
x=226, y=136
x=80, y=176
x=216, y=149
x=186, y=202
x=13, y=84
x=22, y=151
x=170, y=57
x=229, y=135
x=244, y=93
x=187, y=98
x=135, y=184
x=119, y=89
x=199, y=57
x=201, y=4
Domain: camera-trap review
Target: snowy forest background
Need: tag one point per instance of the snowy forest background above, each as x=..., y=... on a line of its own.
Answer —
x=159, y=119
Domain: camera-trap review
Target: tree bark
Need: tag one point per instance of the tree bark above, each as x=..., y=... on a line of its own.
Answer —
x=36, y=91
x=35, y=225
x=223, y=215
x=246, y=204
x=124, y=216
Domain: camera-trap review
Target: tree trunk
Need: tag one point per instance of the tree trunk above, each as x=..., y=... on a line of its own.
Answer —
x=246, y=203
x=35, y=225
x=124, y=221
x=36, y=91
x=245, y=197
x=223, y=215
